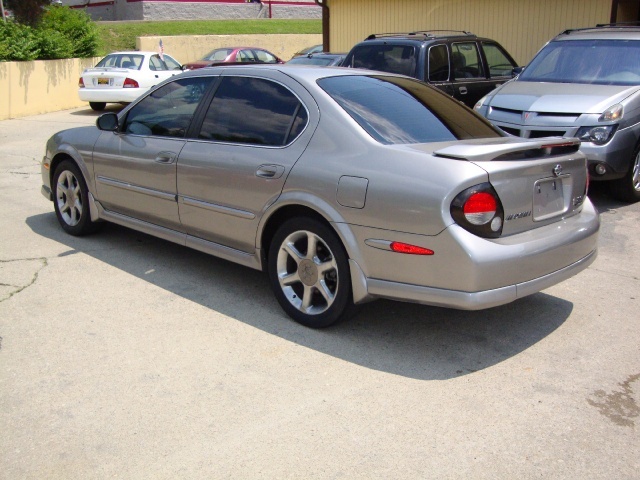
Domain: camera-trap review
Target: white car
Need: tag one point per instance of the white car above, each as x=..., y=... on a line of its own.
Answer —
x=121, y=77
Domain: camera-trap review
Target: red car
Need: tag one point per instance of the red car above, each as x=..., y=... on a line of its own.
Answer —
x=233, y=55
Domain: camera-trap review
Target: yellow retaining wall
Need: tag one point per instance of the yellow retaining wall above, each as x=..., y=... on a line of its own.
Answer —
x=30, y=88
x=189, y=48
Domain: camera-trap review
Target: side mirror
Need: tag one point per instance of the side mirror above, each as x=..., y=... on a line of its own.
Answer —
x=107, y=122
x=517, y=71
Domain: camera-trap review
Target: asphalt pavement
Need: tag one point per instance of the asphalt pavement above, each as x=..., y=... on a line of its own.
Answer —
x=125, y=356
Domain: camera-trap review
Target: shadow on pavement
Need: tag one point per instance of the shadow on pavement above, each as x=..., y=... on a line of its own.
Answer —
x=416, y=341
x=88, y=112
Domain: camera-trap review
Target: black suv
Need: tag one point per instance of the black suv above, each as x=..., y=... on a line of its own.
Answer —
x=465, y=66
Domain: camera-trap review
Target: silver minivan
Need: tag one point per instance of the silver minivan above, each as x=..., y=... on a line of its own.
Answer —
x=584, y=83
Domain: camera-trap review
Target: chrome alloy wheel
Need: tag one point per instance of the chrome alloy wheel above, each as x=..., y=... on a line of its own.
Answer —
x=307, y=272
x=69, y=198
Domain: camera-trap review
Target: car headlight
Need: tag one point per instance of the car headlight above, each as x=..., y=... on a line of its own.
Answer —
x=598, y=135
x=612, y=113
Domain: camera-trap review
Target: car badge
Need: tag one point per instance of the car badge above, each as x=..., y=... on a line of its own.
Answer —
x=526, y=116
x=557, y=170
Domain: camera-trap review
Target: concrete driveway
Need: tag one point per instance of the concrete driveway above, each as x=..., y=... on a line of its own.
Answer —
x=125, y=356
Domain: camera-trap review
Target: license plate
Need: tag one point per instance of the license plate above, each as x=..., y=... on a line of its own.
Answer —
x=548, y=198
x=104, y=81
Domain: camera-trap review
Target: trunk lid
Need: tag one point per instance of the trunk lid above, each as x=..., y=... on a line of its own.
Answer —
x=104, y=77
x=539, y=181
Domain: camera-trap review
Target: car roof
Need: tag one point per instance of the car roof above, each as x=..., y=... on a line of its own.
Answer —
x=421, y=36
x=603, y=31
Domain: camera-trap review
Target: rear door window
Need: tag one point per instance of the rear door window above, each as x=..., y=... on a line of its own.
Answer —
x=253, y=111
x=438, y=64
x=400, y=59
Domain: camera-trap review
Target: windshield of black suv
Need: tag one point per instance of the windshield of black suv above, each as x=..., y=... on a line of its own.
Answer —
x=397, y=110
x=601, y=62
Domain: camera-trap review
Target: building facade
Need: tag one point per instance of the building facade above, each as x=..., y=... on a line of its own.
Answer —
x=115, y=10
x=521, y=26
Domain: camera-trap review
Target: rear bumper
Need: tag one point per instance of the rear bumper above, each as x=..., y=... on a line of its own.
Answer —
x=474, y=300
x=112, y=95
x=469, y=272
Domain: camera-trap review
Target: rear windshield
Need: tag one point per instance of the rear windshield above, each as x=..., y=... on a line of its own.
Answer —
x=122, y=60
x=400, y=59
x=396, y=110
x=601, y=62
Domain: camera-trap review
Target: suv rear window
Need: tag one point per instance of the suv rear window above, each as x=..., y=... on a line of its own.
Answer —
x=396, y=110
x=602, y=62
x=400, y=59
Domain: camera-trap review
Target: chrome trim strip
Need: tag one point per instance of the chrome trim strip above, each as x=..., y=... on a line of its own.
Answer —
x=135, y=188
x=380, y=244
x=216, y=208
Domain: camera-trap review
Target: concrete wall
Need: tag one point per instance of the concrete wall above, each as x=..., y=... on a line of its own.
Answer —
x=188, y=48
x=31, y=88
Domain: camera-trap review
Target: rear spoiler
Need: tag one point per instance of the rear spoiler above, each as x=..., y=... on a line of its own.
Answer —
x=520, y=149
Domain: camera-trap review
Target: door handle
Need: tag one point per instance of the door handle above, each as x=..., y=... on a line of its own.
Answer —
x=270, y=171
x=463, y=90
x=166, y=157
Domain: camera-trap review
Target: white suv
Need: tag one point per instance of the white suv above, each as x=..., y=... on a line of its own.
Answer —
x=584, y=83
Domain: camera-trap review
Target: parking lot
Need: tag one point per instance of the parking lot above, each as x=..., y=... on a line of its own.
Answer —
x=125, y=356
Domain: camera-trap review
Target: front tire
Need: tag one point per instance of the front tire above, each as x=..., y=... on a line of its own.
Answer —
x=71, y=200
x=309, y=273
x=627, y=189
x=97, y=106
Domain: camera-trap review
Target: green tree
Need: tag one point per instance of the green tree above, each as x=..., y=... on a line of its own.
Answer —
x=27, y=12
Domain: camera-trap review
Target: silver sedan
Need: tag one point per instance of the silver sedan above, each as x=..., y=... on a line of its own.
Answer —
x=344, y=185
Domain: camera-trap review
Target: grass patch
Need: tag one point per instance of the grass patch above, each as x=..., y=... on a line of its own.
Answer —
x=117, y=36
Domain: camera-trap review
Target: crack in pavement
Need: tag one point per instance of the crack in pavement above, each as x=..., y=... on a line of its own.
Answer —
x=21, y=279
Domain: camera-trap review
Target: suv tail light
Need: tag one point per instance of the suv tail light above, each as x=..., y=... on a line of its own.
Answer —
x=81, y=83
x=130, y=83
x=478, y=210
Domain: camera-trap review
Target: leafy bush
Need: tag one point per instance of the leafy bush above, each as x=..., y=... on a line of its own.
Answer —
x=61, y=33
x=76, y=26
x=18, y=42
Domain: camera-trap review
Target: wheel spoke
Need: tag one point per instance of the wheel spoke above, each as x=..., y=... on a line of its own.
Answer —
x=324, y=267
x=307, y=297
x=325, y=291
x=289, y=279
x=290, y=248
x=312, y=246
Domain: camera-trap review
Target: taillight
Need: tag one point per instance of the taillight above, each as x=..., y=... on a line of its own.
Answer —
x=130, y=83
x=478, y=210
x=81, y=83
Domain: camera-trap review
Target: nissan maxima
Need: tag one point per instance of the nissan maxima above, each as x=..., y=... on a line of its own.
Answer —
x=344, y=185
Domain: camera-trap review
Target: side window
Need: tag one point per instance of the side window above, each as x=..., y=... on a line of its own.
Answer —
x=498, y=62
x=167, y=112
x=264, y=57
x=465, y=61
x=438, y=65
x=253, y=111
x=245, y=56
x=167, y=63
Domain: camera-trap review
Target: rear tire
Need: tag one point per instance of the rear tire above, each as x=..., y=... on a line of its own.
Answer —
x=71, y=200
x=97, y=106
x=627, y=189
x=309, y=273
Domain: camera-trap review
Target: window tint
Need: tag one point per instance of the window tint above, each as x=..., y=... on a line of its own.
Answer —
x=465, y=61
x=254, y=111
x=386, y=58
x=167, y=112
x=498, y=62
x=402, y=110
x=604, y=62
x=438, y=64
